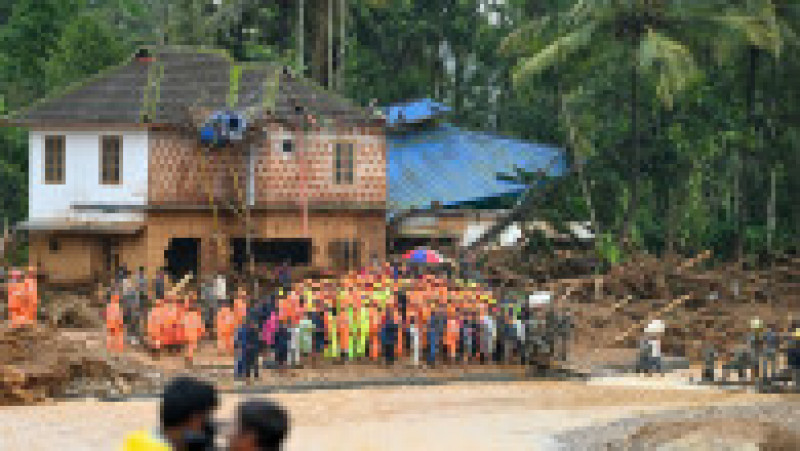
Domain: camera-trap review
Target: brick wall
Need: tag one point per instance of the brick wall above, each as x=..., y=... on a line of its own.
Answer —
x=177, y=176
x=279, y=176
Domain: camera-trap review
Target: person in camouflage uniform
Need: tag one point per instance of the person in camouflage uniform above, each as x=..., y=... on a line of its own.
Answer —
x=538, y=340
x=709, y=363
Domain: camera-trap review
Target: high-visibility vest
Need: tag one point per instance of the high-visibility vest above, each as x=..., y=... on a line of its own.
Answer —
x=145, y=441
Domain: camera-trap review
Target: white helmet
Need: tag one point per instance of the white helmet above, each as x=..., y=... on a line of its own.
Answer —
x=656, y=327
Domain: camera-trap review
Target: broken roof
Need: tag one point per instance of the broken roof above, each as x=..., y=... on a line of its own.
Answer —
x=451, y=166
x=176, y=83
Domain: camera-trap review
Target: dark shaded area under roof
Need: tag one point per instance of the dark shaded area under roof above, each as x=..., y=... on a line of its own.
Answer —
x=183, y=80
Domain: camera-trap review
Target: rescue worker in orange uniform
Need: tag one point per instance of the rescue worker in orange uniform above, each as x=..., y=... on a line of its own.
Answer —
x=225, y=324
x=453, y=328
x=376, y=318
x=172, y=322
x=156, y=325
x=31, y=303
x=193, y=330
x=15, y=299
x=114, y=326
x=240, y=307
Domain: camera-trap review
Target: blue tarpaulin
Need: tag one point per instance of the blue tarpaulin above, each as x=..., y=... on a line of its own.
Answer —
x=413, y=111
x=449, y=165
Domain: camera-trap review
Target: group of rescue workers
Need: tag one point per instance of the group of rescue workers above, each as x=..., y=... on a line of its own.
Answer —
x=382, y=313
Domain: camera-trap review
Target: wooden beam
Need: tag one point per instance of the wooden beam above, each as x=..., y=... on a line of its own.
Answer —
x=671, y=306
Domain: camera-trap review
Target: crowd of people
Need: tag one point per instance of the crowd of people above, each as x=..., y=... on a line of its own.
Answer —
x=379, y=313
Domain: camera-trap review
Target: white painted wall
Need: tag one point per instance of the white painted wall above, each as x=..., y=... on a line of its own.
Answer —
x=82, y=177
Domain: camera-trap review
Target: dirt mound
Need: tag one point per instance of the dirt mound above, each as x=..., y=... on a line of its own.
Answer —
x=72, y=309
x=714, y=435
x=40, y=362
x=699, y=305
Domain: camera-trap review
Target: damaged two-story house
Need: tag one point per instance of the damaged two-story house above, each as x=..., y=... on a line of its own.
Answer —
x=120, y=173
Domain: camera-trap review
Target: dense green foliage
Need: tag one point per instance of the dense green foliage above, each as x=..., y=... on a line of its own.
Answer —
x=680, y=118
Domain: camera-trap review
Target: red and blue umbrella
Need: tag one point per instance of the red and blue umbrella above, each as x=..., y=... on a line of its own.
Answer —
x=423, y=256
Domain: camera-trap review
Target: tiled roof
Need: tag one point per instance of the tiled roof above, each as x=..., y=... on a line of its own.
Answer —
x=180, y=80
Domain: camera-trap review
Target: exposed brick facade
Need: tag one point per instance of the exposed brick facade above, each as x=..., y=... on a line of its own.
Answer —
x=177, y=174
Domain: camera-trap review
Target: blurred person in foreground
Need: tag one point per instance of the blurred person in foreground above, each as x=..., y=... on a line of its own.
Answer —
x=187, y=407
x=260, y=425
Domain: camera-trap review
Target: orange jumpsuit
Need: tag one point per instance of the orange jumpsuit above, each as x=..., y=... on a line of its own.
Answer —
x=344, y=331
x=31, y=302
x=451, y=337
x=156, y=326
x=170, y=330
x=374, y=335
x=239, y=310
x=15, y=304
x=114, y=331
x=193, y=330
x=399, y=347
x=225, y=325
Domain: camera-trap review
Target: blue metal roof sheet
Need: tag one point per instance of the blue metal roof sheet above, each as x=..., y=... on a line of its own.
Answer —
x=451, y=166
x=413, y=111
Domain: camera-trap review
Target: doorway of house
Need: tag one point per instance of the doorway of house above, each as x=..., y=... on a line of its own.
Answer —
x=110, y=256
x=297, y=251
x=345, y=255
x=182, y=256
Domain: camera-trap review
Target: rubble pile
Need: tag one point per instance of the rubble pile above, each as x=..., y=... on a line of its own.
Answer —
x=41, y=362
x=73, y=310
x=700, y=306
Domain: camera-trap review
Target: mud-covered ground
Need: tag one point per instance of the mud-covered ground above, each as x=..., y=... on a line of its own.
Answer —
x=507, y=416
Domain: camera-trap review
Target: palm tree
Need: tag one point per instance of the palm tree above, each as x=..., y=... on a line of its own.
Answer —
x=323, y=16
x=652, y=35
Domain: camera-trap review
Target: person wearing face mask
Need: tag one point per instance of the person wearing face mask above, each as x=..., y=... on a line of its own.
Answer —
x=260, y=426
x=187, y=406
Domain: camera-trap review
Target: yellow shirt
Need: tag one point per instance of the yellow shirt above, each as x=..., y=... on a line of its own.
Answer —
x=145, y=441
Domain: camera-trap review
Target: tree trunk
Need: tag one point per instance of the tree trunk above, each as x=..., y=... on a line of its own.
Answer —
x=329, y=83
x=318, y=59
x=751, y=106
x=670, y=244
x=587, y=197
x=301, y=36
x=773, y=180
x=458, y=98
x=342, y=39
x=737, y=201
x=634, y=202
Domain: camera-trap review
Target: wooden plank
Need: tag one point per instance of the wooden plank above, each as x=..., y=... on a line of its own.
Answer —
x=671, y=306
x=181, y=285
